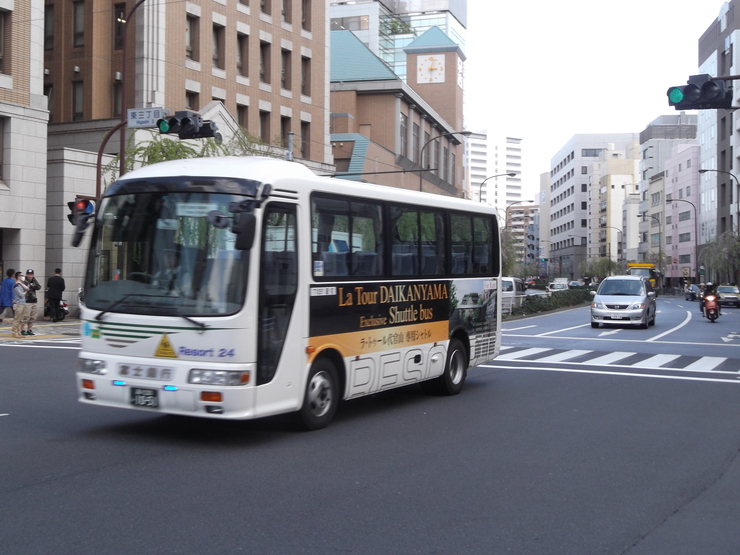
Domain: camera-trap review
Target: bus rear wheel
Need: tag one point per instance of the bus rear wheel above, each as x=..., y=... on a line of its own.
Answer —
x=452, y=379
x=321, y=397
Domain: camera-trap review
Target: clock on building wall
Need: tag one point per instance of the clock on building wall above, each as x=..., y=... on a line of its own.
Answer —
x=431, y=69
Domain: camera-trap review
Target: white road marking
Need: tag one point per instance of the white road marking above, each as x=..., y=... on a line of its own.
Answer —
x=521, y=328
x=655, y=361
x=560, y=357
x=676, y=328
x=609, y=373
x=524, y=353
x=610, y=332
x=564, y=329
x=706, y=363
x=610, y=358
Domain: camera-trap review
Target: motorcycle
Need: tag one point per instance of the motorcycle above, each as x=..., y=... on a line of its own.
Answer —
x=711, y=307
x=62, y=311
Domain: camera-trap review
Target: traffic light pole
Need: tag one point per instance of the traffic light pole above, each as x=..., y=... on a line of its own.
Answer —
x=124, y=73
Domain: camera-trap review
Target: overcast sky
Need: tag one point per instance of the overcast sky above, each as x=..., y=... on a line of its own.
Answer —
x=545, y=70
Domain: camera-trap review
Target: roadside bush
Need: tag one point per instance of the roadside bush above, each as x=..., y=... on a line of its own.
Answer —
x=559, y=299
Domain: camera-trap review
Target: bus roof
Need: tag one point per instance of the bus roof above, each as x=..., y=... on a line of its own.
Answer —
x=281, y=173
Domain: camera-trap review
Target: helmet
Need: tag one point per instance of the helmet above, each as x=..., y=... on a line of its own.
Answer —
x=710, y=284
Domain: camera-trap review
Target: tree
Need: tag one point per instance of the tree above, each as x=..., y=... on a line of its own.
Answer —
x=509, y=252
x=721, y=257
x=160, y=148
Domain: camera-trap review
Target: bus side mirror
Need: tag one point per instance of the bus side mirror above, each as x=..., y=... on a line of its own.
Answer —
x=244, y=228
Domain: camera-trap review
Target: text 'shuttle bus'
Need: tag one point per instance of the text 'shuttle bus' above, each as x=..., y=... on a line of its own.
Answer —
x=246, y=287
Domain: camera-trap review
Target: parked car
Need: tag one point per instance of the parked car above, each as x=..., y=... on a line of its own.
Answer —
x=692, y=292
x=624, y=300
x=575, y=285
x=729, y=295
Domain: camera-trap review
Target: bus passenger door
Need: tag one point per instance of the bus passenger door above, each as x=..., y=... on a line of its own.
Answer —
x=277, y=289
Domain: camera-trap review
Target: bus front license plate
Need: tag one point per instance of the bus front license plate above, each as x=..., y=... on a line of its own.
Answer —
x=142, y=397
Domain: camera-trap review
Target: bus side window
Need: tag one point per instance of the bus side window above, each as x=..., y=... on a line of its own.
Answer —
x=462, y=243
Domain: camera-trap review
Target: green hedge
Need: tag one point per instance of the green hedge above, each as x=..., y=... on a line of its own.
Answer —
x=559, y=299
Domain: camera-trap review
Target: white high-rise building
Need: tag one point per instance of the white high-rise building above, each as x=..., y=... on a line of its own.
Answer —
x=488, y=161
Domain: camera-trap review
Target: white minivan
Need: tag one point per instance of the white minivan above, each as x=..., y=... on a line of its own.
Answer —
x=513, y=292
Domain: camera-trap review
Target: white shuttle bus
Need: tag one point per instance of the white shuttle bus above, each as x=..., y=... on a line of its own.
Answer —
x=240, y=288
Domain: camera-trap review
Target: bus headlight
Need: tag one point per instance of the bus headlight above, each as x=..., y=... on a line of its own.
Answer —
x=218, y=377
x=91, y=366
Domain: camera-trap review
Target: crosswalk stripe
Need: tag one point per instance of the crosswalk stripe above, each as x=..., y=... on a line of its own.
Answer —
x=706, y=363
x=655, y=361
x=565, y=355
x=610, y=358
x=524, y=353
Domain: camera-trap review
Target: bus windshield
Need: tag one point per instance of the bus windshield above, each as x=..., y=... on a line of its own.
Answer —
x=154, y=252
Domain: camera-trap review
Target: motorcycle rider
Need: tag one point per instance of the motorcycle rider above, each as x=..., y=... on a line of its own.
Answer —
x=709, y=289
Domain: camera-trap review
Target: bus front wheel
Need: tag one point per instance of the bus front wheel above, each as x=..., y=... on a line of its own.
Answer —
x=321, y=397
x=452, y=379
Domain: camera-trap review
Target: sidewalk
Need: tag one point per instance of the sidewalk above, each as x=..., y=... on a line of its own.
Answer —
x=44, y=329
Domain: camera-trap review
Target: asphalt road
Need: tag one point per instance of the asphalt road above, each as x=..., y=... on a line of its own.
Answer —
x=556, y=453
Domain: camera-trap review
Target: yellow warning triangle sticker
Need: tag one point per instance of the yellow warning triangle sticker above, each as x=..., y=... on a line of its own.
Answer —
x=165, y=349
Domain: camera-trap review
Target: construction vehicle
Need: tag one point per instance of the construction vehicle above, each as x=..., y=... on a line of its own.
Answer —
x=644, y=269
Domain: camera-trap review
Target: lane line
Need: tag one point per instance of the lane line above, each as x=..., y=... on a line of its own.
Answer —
x=521, y=328
x=608, y=373
x=564, y=329
x=678, y=327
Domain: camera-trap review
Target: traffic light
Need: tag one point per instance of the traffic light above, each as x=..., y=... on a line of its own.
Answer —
x=79, y=208
x=543, y=259
x=189, y=125
x=702, y=93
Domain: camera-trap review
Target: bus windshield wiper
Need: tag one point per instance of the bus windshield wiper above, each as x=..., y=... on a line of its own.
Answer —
x=100, y=315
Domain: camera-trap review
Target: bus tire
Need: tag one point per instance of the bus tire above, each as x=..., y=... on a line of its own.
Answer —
x=452, y=379
x=321, y=397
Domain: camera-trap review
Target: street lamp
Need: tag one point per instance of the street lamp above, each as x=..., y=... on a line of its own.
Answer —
x=660, y=245
x=609, y=245
x=421, y=152
x=480, y=187
x=696, y=229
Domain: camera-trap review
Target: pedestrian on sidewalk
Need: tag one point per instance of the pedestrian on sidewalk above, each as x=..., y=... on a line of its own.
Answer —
x=19, y=305
x=54, y=287
x=32, y=301
x=6, y=294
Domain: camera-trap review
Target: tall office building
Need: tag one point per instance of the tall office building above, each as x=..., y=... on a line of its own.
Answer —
x=489, y=160
x=23, y=120
x=568, y=198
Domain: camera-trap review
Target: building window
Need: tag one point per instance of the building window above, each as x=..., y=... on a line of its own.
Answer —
x=443, y=160
x=305, y=140
x=242, y=115
x=77, y=100
x=266, y=6
x=425, y=161
x=453, y=159
x=191, y=100
x=655, y=198
x=584, y=223
x=305, y=76
x=49, y=27
x=285, y=73
x=683, y=216
x=3, y=127
x=218, y=47
x=119, y=23
x=404, y=135
x=684, y=237
x=191, y=38
x=584, y=188
x=284, y=130
x=78, y=23
x=590, y=152
x=684, y=259
x=668, y=240
x=655, y=240
x=242, y=55
x=265, y=126
x=116, y=89
x=288, y=11
x=584, y=170
x=306, y=15
x=265, y=62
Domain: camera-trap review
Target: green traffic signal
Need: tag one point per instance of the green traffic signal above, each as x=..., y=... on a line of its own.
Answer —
x=675, y=95
x=164, y=127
